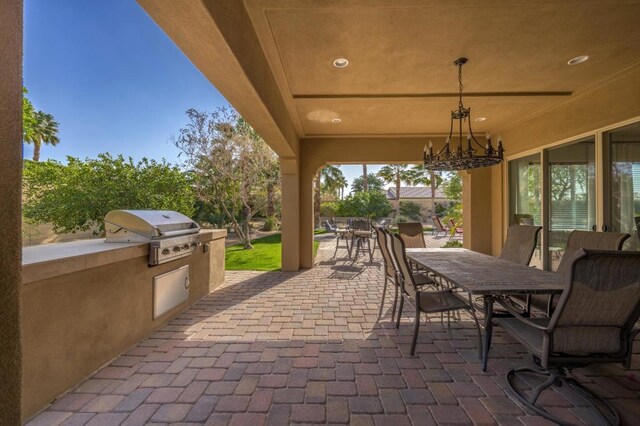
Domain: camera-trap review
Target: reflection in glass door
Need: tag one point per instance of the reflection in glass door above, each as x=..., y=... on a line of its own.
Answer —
x=624, y=185
x=525, y=197
x=571, y=194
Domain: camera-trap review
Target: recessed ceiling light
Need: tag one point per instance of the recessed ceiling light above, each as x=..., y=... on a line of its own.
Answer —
x=479, y=119
x=578, y=60
x=336, y=121
x=341, y=63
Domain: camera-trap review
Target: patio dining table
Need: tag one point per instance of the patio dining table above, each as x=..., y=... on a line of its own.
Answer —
x=486, y=276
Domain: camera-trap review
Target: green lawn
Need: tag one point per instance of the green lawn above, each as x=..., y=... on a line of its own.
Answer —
x=265, y=256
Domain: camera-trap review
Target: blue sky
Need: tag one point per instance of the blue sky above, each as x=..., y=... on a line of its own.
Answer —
x=112, y=79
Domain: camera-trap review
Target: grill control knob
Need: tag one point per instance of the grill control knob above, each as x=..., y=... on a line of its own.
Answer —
x=176, y=249
x=194, y=245
x=166, y=251
x=185, y=247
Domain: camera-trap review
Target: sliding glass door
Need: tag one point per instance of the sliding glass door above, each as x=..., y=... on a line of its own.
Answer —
x=571, y=194
x=623, y=211
x=525, y=197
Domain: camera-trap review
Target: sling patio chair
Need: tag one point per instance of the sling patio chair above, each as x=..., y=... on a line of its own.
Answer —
x=412, y=234
x=593, y=323
x=577, y=241
x=518, y=248
x=438, y=227
x=389, y=270
x=425, y=299
x=413, y=237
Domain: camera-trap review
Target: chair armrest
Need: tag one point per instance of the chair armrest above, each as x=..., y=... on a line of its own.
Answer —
x=510, y=308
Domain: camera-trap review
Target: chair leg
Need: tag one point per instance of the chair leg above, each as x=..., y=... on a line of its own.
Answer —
x=400, y=311
x=416, y=326
x=395, y=302
x=384, y=293
x=557, y=376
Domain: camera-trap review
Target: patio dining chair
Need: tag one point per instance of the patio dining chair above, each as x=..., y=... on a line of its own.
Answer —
x=361, y=234
x=412, y=234
x=593, y=323
x=389, y=270
x=577, y=241
x=426, y=299
x=438, y=227
x=520, y=243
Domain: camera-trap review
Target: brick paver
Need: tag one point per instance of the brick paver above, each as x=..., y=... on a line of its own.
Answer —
x=308, y=347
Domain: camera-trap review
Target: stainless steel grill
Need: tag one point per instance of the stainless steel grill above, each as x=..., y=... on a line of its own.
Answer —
x=171, y=235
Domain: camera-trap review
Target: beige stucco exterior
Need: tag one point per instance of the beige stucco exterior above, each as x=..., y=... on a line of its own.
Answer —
x=81, y=311
x=10, y=209
x=271, y=59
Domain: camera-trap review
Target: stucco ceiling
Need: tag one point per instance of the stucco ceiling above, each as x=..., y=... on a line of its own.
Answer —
x=401, y=79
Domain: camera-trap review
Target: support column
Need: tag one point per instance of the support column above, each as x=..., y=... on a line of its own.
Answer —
x=476, y=209
x=290, y=214
x=306, y=216
x=10, y=211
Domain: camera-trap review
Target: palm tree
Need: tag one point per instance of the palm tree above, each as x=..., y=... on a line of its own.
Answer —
x=397, y=173
x=44, y=130
x=327, y=179
x=365, y=178
x=419, y=177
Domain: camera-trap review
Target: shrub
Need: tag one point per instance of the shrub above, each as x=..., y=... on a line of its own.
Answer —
x=329, y=208
x=270, y=224
x=410, y=210
x=372, y=205
x=453, y=244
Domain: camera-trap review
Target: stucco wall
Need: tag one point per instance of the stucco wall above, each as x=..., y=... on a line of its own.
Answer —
x=74, y=323
x=605, y=104
x=10, y=206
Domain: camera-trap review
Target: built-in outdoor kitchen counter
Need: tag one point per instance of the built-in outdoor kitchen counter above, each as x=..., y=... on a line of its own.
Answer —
x=86, y=302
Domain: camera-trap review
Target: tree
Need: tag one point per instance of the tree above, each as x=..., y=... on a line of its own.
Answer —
x=365, y=178
x=326, y=181
x=419, y=177
x=396, y=173
x=453, y=187
x=372, y=204
x=38, y=126
x=77, y=195
x=375, y=184
x=232, y=165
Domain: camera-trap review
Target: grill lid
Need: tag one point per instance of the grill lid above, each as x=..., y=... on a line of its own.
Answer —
x=146, y=225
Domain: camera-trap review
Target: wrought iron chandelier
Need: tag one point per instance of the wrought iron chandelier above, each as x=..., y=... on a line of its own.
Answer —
x=472, y=156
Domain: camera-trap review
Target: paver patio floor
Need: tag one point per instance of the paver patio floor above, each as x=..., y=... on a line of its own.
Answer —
x=307, y=347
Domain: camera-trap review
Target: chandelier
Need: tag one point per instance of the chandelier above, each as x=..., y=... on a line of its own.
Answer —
x=471, y=156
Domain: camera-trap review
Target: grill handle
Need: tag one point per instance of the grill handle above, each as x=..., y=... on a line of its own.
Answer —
x=179, y=232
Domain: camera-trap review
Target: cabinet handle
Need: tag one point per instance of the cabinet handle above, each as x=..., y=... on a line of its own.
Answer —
x=594, y=228
x=604, y=228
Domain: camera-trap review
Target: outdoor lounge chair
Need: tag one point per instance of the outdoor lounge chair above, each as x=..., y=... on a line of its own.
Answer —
x=577, y=241
x=329, y=226
x=425, y=299
x=454, y=230
x=593, y=323
x=438, y=227
x=523, y=219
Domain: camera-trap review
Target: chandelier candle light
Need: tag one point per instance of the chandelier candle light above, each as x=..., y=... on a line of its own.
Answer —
x=458, y=158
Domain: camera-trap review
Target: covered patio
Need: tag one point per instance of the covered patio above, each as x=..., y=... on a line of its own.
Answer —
x=307, y=347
